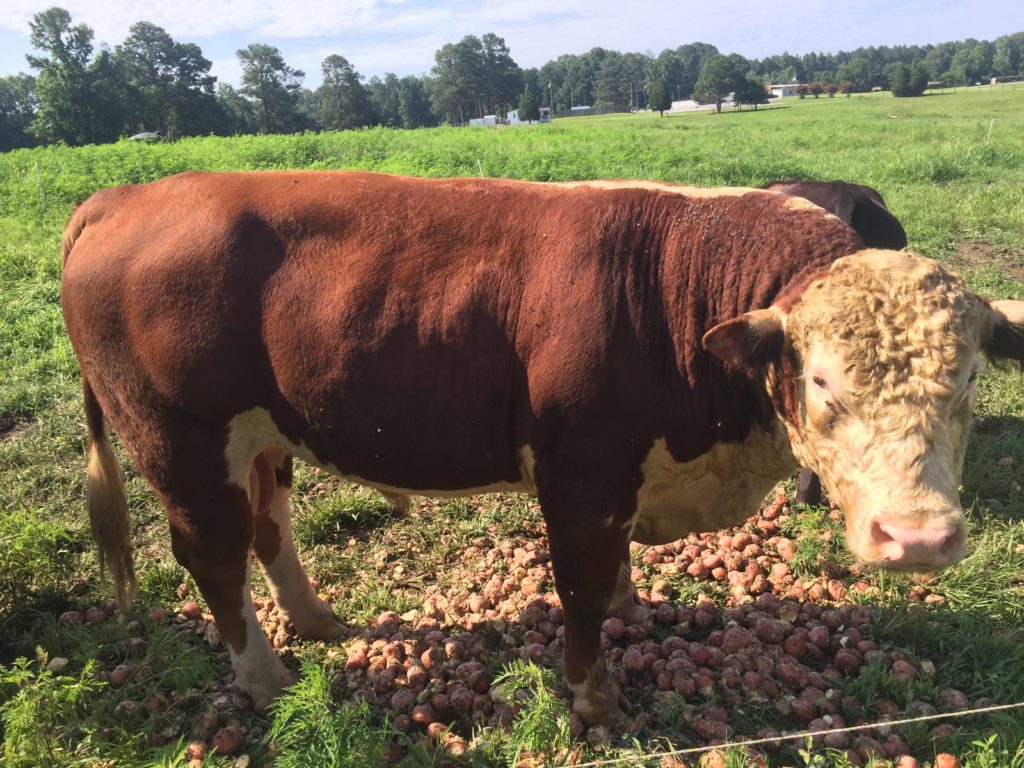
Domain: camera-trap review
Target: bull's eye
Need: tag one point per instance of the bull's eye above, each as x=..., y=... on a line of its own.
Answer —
x=819, y=382
x=973, y=377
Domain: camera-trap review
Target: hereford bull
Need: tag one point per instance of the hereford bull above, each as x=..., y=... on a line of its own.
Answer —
x=863, y=209
x=646, y=359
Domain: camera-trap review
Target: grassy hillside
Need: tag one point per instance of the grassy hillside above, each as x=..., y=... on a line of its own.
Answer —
x=950, y=166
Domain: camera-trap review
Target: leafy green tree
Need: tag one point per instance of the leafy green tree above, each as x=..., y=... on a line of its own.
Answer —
x=668, y=66
x=237, y=112
x=693, y=56
x=939, y=58
x=106, y=98
x=457, y=80
x=782, y=68
x=621, y=80
x=342, y=101
x=17, y=109
x=414, y=103
x=529, y=105
x=899, y=82
x=856, y=71
x=658, y=98
x=750, y=91
x=572, y=78
x=718, y=78
x=78, y=98
x=918, y=78
x=473, y=78
x=170, y=85
x=503, y=78
x=1006, y=55
x=386, y=99
x=972, y=63
x=273, y=87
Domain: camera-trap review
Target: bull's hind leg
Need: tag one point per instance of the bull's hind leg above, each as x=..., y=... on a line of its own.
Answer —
x=211, y=536
x=270, y=482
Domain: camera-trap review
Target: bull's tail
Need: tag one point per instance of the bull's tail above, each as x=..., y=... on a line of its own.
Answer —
x=108, y=507
x=71, y=233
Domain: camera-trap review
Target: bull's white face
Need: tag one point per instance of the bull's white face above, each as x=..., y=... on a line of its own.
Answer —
x=883, y=354
x=893, y=463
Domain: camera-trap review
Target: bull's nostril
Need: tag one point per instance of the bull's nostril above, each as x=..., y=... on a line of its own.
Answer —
x=886, y=545
x=954, y=543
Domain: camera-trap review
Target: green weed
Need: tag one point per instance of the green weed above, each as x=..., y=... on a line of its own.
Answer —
x=44, y=720
x=309, y=728
x=820, y=540
x=541, y=727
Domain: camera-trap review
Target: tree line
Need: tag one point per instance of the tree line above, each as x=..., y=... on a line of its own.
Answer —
x=150, y=82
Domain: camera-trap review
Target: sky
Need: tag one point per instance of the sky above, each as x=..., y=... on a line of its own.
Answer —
x=401, y=36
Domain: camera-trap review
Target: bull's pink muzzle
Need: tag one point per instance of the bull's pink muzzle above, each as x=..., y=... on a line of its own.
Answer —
x=932, y=546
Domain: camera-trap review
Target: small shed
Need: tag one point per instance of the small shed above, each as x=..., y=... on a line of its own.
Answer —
x=784, y=89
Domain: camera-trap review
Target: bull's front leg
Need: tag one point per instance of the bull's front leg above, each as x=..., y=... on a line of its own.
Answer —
x=589, y=542
x=625, y=602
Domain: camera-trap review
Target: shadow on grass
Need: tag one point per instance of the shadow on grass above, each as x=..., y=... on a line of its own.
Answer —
x=994, y=465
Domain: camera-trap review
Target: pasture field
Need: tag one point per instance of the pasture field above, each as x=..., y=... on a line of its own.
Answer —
x=951, y=168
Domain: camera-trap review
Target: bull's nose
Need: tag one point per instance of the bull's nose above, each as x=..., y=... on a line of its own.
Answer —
x=913, y=545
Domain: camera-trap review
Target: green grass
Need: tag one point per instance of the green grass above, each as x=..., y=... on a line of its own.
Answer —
x=950, y=166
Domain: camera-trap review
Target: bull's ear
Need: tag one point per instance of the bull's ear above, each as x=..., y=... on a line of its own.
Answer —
x=1007, y=340
x=751, y=340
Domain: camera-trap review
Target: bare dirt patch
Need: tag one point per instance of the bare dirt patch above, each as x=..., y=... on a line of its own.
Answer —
x=971, y=256
x=11, y=426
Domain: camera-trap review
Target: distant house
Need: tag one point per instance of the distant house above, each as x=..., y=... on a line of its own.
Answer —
x=784, y=89
x=486, y=120
x=545, y=116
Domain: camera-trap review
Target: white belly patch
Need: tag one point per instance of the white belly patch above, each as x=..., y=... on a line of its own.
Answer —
x=719, y=489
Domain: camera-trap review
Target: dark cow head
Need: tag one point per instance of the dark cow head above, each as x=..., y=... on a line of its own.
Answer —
x=858, y=205
x=872, y=372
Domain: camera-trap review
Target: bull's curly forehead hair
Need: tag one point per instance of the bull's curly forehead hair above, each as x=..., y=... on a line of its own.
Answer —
x=901, y=323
